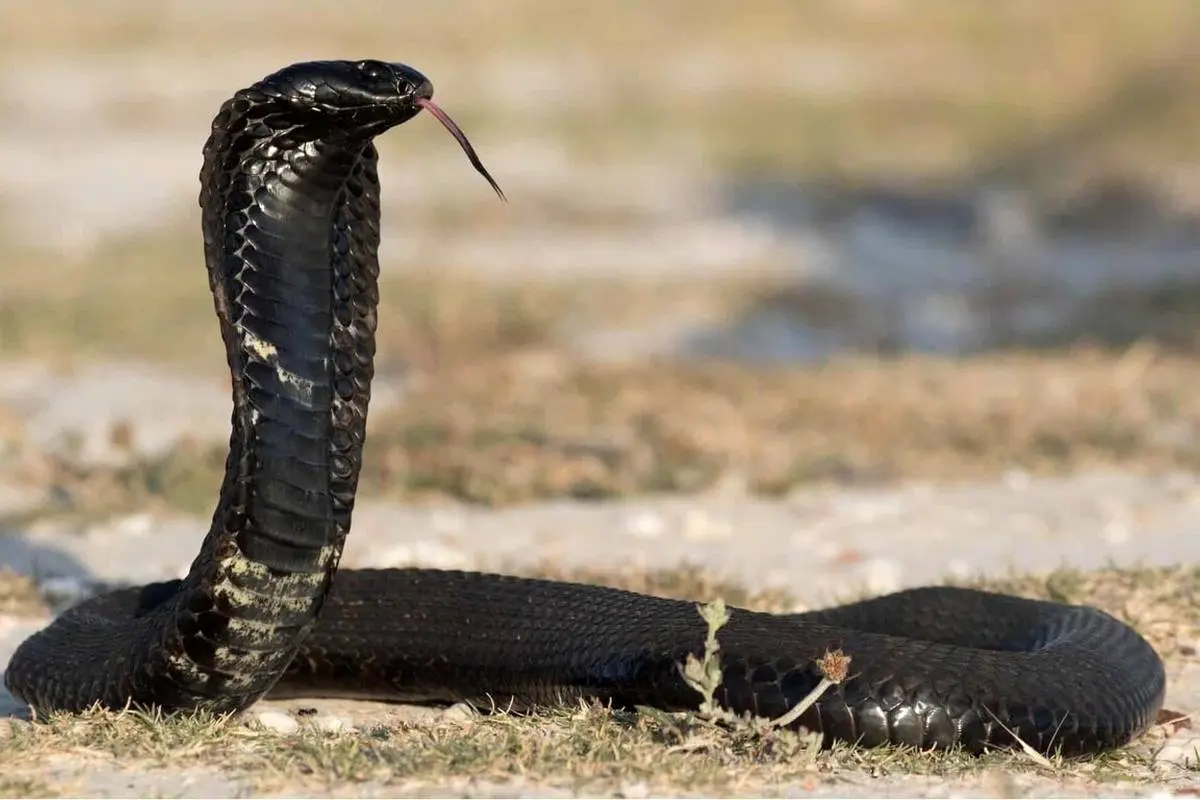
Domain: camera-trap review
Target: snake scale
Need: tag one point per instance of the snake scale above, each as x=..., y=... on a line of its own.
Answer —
x=291, y=223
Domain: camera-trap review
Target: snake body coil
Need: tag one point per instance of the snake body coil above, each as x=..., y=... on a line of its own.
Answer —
x=290, y=200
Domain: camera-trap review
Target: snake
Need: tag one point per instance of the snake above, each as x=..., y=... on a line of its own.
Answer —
x=290, y=215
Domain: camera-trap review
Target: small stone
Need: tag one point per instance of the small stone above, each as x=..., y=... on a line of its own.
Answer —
x=329, y=724
x=1116, y=532
x=1182, y=749
x=1017, y=480
x=645, y=525
x=635, y=790
x=134, y=525
x=278, y=721
x=459, y=712
x=701, y=527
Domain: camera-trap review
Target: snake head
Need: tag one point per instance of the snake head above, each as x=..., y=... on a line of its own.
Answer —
x=337, y=99
x=357, y=98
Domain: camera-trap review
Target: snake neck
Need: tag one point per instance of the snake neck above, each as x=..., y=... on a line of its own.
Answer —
x=291, y=230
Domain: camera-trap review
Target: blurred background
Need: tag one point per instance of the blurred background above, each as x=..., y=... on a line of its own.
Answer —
x=749, y=247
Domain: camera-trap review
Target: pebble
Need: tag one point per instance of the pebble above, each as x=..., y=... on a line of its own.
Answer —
x=1116, y=531
x=329, y=724
x=459, y=712
x=134, y=525
x=278, y=721
x=1017, y=479
x=701, y=527
x=635, y=790
x=1182, y=749
x=646, y=525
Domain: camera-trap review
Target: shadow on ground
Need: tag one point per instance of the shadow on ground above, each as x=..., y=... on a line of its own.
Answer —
x=1021, y=253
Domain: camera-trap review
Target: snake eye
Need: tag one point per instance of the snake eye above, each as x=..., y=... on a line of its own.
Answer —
x=373, y=70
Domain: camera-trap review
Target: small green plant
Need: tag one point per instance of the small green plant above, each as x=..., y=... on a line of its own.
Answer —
x=704, y=674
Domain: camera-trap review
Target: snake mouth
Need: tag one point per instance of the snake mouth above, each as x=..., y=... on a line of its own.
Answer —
x=461, y=138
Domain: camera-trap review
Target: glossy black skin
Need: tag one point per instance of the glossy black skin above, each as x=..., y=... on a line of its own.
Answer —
x=356, y=98
x=289, y=195
x=291, y=219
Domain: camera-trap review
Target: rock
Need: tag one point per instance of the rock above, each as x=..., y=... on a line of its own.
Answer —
x=329, y=724
x=278, y=721
x=1182, y=749
x=459, y=712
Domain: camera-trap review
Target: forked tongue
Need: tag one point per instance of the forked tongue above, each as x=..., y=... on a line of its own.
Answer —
x=456, y=132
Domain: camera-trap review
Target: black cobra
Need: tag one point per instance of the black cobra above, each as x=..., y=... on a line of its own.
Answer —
x=290, y=199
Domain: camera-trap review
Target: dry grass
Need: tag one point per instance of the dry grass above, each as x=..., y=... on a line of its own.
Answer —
x=596, y=751
x=544, y=426
x=26, y=787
